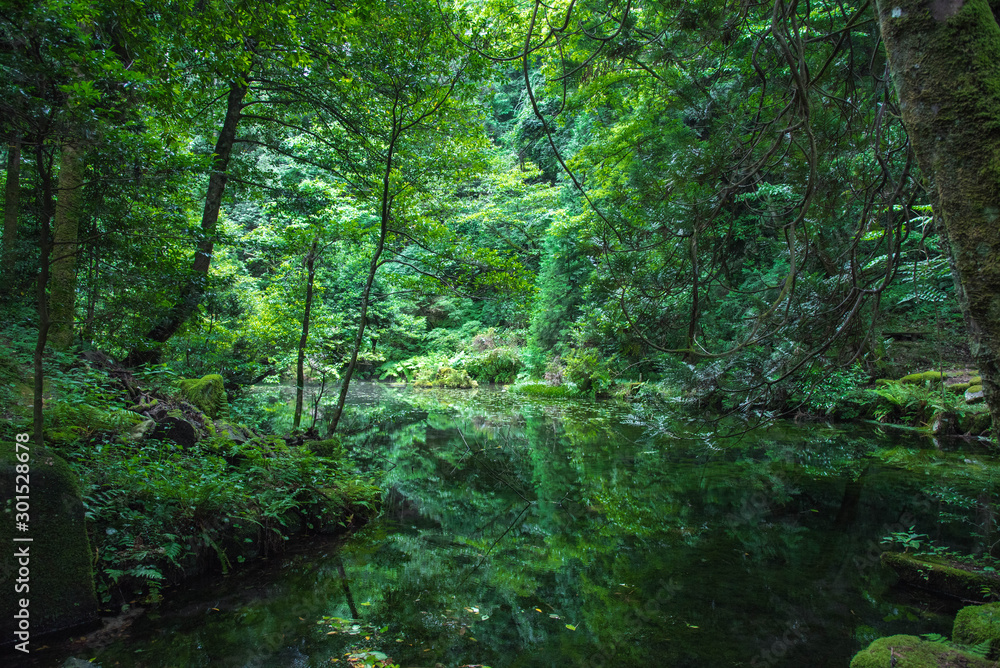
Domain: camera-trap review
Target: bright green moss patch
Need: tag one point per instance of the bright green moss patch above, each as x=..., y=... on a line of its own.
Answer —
x=911, y=652
x=542, y=390
x=65, y=422
x=208, y=393
x=921, y=378
x=976, y=624
x=331, y=447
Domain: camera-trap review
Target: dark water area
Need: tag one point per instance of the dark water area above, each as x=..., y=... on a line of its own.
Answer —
x=520, y=532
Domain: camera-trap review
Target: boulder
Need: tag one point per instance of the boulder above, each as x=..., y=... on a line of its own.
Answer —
x=911, y=652
x=55, y=570
x=178, y=430
x=943, y=575
x=208, y=393
x=975, y=624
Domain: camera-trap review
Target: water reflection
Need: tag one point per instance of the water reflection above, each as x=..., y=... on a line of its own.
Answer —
x=526, y=533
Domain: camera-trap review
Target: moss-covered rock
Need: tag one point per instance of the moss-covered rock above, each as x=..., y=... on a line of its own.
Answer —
x=943, y=575
x=55, y=569
x=331, y=447
x=922, y=378
x=977, y=624
x=66, y=422
x=974, y=394
x=911, y=652
x=233, y=432
x=975, y=422
x=208, y=393
x=179, y=430
x=957, y=388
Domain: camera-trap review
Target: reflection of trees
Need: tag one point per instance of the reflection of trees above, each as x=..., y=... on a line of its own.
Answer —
x=647, y=545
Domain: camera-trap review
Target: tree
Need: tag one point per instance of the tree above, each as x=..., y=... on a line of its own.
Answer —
x=945, y=62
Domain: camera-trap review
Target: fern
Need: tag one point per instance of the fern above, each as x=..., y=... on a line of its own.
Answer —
x=980, y=649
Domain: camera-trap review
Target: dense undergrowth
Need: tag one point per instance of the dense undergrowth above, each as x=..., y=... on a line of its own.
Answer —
x=928, y=400
x=158, y=511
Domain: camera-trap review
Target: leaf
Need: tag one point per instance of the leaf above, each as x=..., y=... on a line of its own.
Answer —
x=571, y=627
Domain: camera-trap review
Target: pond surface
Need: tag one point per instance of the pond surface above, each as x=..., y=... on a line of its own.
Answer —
x=522, y=532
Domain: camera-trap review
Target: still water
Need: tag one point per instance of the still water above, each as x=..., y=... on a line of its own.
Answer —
x=520, y=532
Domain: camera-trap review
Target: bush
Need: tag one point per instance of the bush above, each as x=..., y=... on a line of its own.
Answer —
x=589, y=374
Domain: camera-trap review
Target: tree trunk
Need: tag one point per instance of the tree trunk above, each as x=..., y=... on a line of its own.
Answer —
x=41, y=296
x=11, y=207
x=366, y=294
x=944, y=56
x=192, y=291
x=300, y=374
x=62, y=286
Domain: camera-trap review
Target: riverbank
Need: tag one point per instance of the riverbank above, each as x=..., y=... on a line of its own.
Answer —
x=173, y=486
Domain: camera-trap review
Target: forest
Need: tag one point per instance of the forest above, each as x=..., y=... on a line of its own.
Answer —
x=273, y=271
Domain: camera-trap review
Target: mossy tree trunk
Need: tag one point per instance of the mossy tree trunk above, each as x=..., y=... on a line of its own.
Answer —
x=944, y=56
x=11, y=206
x=66, y=224
x=300, y=371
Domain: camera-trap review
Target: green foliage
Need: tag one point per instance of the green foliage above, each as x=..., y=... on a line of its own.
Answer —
x=587, y=371
x=157, y=510
x=831, y=392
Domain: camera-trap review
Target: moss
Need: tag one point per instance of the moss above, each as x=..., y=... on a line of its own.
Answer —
x=976, y=624
x=957, y=388
x=881, y=382
x=208, y=393
x=921, y=378
x=975, y=422
x=942, y=575
x=61, y=582
x=67, y=422
x=911, y=652
x=542, y=390
x=331, y=447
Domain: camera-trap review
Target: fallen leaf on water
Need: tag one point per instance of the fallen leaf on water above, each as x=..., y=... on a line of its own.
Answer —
x=554, y=616
x=571, y=627
x=538, y=609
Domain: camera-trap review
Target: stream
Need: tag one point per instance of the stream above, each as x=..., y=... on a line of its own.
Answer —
x=525, y=532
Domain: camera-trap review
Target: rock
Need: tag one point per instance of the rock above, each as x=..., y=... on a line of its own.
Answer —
x=912, y=652
x=974, y=394
x=208, y=393
x=178, y=430
x=944, y=423
x=142, y=430
x=72, y=662
x=921, y=378
x=975, y=423
x=331, y=447
x=56, y=566
x=942, y=575
x=233, y=432
x=976, y=624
